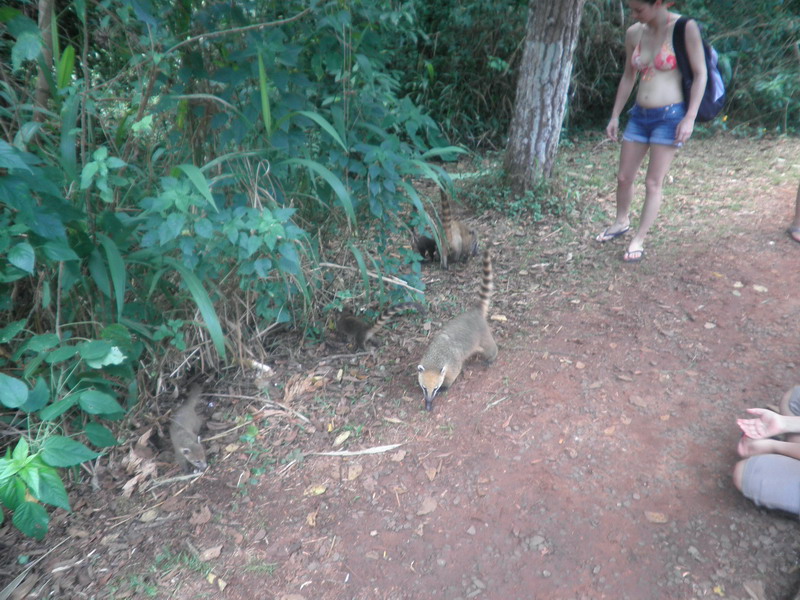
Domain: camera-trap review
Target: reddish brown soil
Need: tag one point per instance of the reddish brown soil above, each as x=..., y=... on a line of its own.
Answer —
x=591, y=461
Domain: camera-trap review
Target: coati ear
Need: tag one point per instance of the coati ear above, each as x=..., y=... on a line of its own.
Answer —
x=442, y=371
x=420, y=368
x=186, y=451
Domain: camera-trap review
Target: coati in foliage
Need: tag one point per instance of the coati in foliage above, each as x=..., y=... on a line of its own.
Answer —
x=462, y=242
x=425, y=247
x=183, y=431
x=460, y=338
x=358, y=330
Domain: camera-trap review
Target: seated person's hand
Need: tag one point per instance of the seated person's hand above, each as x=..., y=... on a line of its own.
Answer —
x=768, y=424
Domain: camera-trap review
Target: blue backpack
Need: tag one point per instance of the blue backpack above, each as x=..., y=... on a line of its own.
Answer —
x=714, y=96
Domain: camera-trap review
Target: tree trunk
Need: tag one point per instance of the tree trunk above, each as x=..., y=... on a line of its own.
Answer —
x=544, y=77
x=45, y=27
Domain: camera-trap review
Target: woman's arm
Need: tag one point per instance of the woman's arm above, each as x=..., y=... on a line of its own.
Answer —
x=768, y=424
x=697, y=60
x=626, y=82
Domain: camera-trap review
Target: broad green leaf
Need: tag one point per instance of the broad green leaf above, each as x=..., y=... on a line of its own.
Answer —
x=12, y=492
x=100, y=436
x=114, y=357
x=38, y=397
x=10, y=331
x=59, y=250
x=57, y=409
x=60, y=451
x=94, y=350
x=65, y=67
x=31, y=519
x=22, y=256
x=198, y=180
x=204, y=305
x=10, y=158
x=61, y=354
x=39, y=343
x=21, y=451
x=336, y=185
x=51, y=489
x=13, y=392
x=116, y=265
x=31, y=475
x=27, y=47
x=448, y=151
x=95, y=402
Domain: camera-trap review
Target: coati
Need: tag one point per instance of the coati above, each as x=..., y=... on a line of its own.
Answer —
x=183, y=431
x=356, y=329
x=460, y=338
x=425, y=247
x=462, y=242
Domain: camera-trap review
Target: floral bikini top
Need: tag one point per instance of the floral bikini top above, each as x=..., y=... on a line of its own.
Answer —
x=664, y=60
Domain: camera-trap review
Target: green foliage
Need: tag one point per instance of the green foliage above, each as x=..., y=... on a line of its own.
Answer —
x=185, y=184
x=459, y=59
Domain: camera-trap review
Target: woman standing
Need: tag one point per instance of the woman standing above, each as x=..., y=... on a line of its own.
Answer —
x=661, y=121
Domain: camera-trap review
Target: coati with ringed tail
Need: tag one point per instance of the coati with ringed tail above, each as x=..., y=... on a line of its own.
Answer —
x=460, y=338
x=462, y=242
x=358, y=330
x=184, y=430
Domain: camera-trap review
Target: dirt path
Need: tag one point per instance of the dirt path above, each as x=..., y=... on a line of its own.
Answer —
x=591, y=461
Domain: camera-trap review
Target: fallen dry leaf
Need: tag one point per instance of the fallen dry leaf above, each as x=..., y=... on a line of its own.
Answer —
x=428, y=506
x=311, y=518
x=149, y=516
x=200, y=517
x=656, y=517
x=398, y=456
x=431, y=473
x=211, y=553
x=341, y=438
x=760, y=289
x=501, y=318
x=315, y=490
x=214, y=580
x=353, y=471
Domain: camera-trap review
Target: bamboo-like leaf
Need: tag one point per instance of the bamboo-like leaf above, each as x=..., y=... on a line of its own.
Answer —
x=320, y=120
x=443, y=151
x=116, y=265
x=65, y=68
x=333, y=181
x=381, y=285
x=204, y=304
x=362, y=266
x=197, y=178
x=263, y=86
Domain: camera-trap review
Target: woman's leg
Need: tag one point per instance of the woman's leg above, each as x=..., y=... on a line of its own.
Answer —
x=794, y=228
x=661, y=157
x=630, y=159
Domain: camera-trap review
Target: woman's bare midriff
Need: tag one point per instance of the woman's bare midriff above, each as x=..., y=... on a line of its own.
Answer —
x=661, y=89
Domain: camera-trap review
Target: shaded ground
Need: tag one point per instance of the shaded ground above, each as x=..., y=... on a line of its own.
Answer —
x=592, y=460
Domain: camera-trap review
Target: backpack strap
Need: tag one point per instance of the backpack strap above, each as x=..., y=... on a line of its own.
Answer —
x=679, y=46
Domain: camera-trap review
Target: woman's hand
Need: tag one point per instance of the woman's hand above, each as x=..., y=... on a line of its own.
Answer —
x=684, y=130
x=612, y=129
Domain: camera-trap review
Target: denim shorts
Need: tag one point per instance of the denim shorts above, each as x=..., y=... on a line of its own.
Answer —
x=654, y=125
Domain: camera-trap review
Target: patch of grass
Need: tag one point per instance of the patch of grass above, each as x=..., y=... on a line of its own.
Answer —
x=256, y=566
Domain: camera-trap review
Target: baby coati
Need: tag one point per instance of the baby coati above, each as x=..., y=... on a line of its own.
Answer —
x=356, y=329
x=183, y=431
x=425, y=247
x=462, y=242
x=460, y=338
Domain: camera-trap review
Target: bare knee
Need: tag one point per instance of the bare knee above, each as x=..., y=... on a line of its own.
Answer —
x=625, y=180
x=738, y=473
x=783, y=407
x=653, y=185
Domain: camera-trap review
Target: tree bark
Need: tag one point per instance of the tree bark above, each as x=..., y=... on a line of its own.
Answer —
x=45, y=27
x=541, y=100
